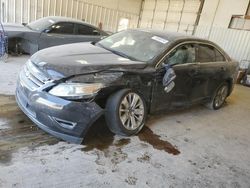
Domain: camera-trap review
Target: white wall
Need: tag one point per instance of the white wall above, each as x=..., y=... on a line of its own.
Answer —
x=173, y=15
x=224, y=12
x=108, y=12
x=214, y=22
x=132, y=6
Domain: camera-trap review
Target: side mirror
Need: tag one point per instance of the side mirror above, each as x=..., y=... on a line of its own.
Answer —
x=159, y=74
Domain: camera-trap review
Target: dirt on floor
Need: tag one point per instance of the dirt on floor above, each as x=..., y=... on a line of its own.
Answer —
x=189, y=148
x=17, y=131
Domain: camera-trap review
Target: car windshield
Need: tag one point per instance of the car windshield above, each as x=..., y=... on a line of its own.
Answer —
x=41, y=24
x=135, y=45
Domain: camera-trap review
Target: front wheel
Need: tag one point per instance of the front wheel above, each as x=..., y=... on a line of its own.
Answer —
x=219, y=98
x=125, y=112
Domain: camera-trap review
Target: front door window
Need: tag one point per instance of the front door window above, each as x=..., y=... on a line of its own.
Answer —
x=182, y=55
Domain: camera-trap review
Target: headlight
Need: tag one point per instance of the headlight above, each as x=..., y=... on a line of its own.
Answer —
x=76, y=90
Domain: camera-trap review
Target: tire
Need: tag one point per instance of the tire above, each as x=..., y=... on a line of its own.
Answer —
x=15, y=49
x=219, y=97
x=125, y=112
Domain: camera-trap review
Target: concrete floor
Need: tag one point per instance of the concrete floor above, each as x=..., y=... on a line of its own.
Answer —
x=196, y=147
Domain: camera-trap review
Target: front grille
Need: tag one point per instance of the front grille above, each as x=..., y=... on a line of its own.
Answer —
x=31, y=77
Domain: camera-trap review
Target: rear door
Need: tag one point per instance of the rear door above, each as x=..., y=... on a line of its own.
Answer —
x=183, y=60
x=213, y=67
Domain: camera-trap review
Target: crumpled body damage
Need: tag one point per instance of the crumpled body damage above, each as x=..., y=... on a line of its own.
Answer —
x=68, y=120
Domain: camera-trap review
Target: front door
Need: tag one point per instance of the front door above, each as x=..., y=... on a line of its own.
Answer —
x=183, y=61
x=58, y=34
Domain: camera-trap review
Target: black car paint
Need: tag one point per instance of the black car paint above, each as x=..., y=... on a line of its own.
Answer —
x=47, y=116
x=193, y=80
x=116, y=73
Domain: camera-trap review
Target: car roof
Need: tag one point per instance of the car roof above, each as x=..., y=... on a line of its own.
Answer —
x=171, y=36
x=174, y=37
x=67, y=19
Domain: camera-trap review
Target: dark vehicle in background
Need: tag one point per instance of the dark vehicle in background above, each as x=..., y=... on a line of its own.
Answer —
x=244, y=74
x=49, y=31
x=122, y=77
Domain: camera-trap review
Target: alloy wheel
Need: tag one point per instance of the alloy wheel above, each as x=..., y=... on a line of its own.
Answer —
x=131, y=111
x=221, y=96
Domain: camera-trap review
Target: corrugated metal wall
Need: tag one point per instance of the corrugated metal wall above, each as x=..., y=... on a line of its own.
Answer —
x=23, y=11
x=173, y=15
x=235, y=42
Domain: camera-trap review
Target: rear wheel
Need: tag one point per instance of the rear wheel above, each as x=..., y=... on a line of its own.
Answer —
x=125, y=112
x=219, y=98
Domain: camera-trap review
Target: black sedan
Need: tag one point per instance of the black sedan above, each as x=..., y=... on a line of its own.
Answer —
x=49, y=31
x=126, y=76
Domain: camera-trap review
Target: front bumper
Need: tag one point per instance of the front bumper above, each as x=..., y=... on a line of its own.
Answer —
x=67, y=120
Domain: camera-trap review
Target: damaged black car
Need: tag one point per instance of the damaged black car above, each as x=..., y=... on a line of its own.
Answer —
x=126, y=76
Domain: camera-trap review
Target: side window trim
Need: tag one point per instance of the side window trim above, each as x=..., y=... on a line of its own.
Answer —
x=221, y=54
x=187, y=42
x=175, y=47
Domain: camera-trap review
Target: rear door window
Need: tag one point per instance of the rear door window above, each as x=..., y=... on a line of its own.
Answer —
x=86, y=30
x=208, y=53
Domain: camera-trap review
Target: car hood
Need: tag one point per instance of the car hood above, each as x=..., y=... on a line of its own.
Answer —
x=13, y=29
x=80, y=58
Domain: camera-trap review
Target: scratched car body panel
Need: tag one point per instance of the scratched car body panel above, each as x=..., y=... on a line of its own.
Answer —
x=64, y=89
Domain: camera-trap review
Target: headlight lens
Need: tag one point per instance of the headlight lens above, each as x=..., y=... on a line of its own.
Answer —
x=76, y=90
